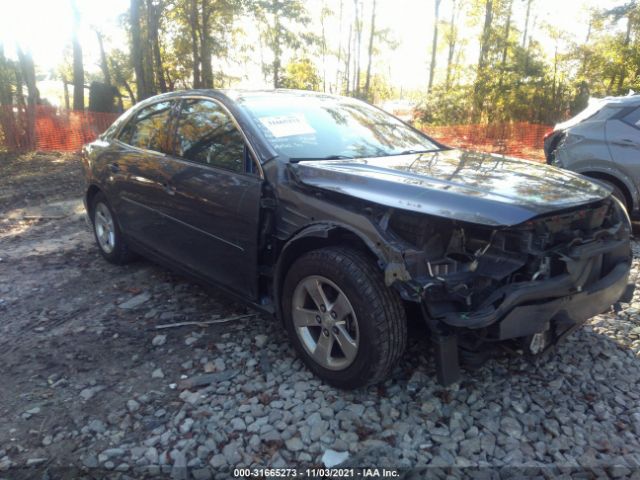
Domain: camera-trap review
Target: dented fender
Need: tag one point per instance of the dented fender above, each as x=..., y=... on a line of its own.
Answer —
x=390, y=259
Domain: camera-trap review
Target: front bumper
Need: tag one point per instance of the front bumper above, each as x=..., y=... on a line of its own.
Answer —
x=567, y=311
x=597, y=275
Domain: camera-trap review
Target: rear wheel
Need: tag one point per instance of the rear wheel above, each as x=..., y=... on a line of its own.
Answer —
x=107, y=233
x=349, y=328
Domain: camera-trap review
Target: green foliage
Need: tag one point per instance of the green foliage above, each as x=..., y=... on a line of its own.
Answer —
x=279, y=22
x=301, y=74
x=193, y=43
x=446, y=105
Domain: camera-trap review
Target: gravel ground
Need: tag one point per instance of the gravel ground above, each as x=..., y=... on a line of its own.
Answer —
x=91, y=386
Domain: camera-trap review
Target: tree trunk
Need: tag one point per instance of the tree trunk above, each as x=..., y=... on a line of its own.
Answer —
x=505, y=46
x=78, y=67
x=205, y=47
x=277, y=48
x=585, y=56
x=452, y=42
x=137, y=51
x=154, y=12
x=339, y=58
x=623, y=70
x=323, y=47
x=147, y=55
x=347, y=63
x=484, y=50
x=104, y=66
x=194, y=24
x=7, y=119
x=486, y=32
x=434, y=44
x=367, y=83
x=27, y=68
x=358, y=42
x=507, y=29
x=526, y=24
x=129, y=90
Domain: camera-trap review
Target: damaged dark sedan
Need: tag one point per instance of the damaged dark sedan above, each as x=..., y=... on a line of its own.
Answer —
x=344, y=221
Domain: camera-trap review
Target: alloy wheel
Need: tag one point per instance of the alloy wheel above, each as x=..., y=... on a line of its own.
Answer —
x=325, y=322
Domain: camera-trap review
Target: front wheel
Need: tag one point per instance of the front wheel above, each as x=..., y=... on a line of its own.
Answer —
x=349, y=328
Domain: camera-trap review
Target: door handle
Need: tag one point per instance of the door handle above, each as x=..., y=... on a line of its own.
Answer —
x=114, y=167
x=169, y=189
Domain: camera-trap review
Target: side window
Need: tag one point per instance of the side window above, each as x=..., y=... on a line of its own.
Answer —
x=149, y=129
x=206, y=134
x=633, y=118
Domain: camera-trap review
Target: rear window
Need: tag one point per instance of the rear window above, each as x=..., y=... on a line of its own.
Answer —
x=633, y=118
x=605, y=113
x=149, y=128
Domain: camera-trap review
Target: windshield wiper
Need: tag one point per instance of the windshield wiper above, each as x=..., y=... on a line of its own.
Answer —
x=409, y=152
x=328, y=157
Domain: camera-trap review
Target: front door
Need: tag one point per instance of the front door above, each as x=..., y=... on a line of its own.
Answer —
x=623, y=139
x=216, y=201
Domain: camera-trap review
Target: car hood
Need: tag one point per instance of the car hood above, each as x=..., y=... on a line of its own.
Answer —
x=474, y=187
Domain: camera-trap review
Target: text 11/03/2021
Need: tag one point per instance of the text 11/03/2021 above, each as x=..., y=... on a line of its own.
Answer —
x=372, y=472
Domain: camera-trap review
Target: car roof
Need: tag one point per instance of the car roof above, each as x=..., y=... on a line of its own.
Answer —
x=238, y=94
x=628, y=100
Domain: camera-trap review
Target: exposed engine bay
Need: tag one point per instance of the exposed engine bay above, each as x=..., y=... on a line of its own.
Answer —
x=461, y=268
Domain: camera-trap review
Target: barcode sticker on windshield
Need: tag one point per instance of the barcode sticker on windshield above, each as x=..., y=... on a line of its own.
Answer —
x=287, y=125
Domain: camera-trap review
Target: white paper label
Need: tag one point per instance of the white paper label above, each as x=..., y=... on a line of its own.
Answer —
x=287, y=125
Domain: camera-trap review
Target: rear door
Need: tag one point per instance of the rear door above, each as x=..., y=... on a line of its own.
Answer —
x=216, y=200
x=623, y=139
x=140, y=175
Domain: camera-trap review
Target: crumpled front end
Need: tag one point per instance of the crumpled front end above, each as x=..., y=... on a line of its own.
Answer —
x=530, y=284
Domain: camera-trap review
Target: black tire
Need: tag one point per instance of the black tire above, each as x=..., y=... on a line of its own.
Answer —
x=381, y=318
x=120, y=253
x=617, y=192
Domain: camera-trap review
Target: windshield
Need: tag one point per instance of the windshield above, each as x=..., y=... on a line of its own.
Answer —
x=312, y=127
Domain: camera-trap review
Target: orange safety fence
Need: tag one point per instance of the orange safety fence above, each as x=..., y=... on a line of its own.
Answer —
x=519, y=139
x=47, y=128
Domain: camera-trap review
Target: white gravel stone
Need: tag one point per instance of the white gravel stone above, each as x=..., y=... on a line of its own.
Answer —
x=136, y=301
x=218, y=460
x=261, y=340
x=331, y=458
x=294, y=444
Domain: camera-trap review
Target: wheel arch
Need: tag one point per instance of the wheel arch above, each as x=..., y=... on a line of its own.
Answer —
x=91, y=193
x=621, y=184
x=314, y=237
